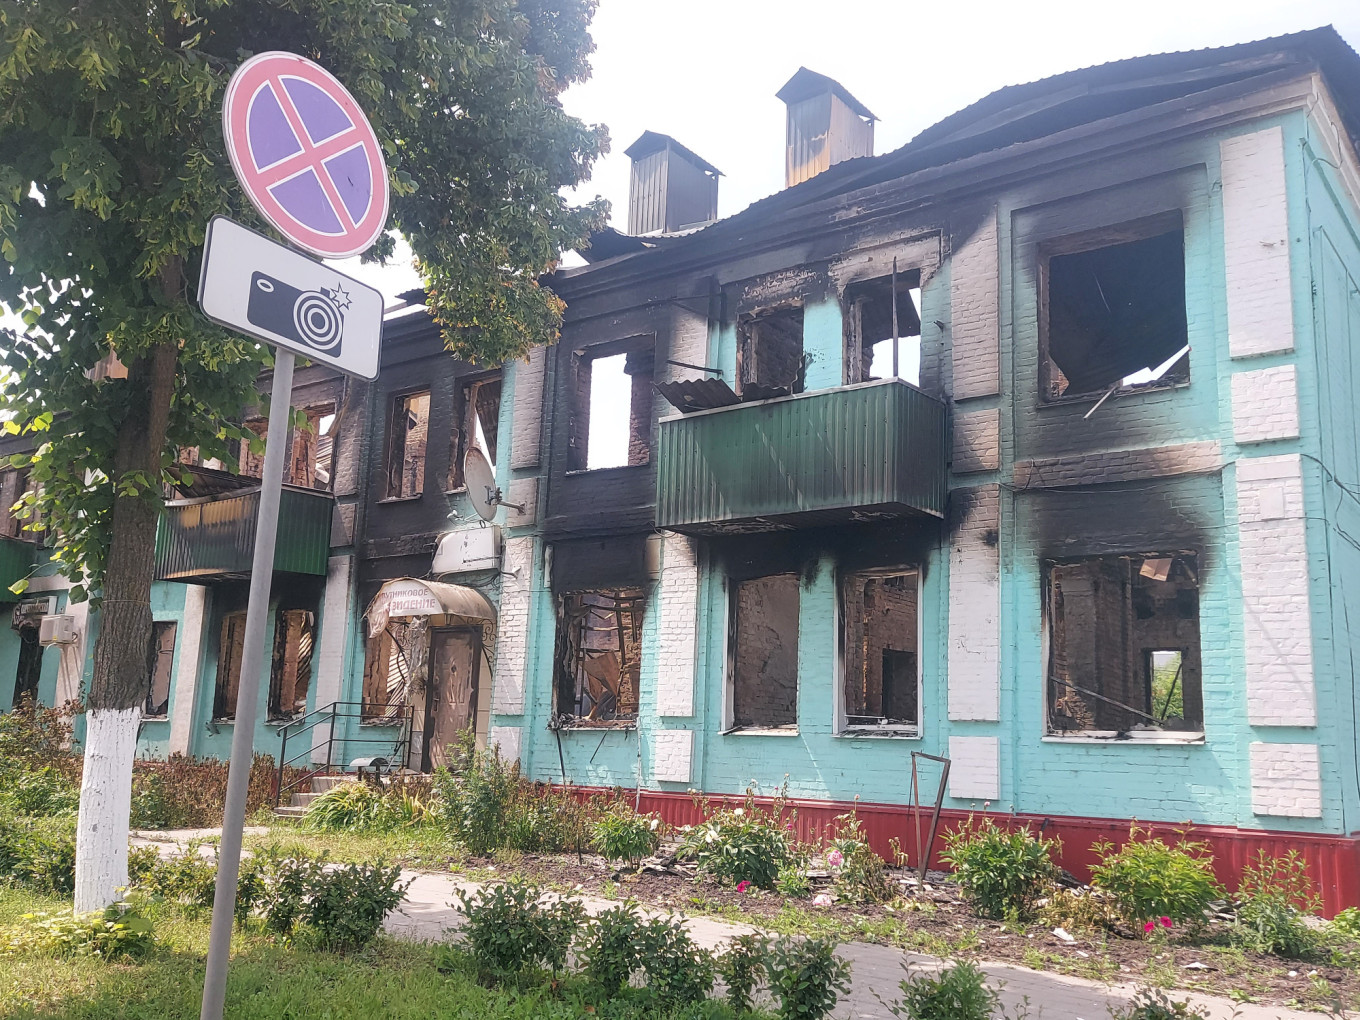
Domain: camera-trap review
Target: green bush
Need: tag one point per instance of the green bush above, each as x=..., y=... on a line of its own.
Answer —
x=354, y=805
x=611, y=947
x=739, y=845
x=509, y=931
x=623, y=835
x=1347, y=924
x=806, y=977
x=1151, y=880
x=288, y=878
x=347, y=903
x=1154, y=1004
x=959, y=992
x=189, y=793
x=742, y=967
x=679, y=972
x=188, y=878
x=1001, y=872
x=860, y=876
x=44, y=791
x=39, y=853
x=1274, y=899
x=119, y=932
x=792, y=882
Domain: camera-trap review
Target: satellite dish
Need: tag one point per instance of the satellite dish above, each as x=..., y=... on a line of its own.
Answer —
x=480, y=478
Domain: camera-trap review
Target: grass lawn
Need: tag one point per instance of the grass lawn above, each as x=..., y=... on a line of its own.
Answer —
x=269, y=981
x=426, y=847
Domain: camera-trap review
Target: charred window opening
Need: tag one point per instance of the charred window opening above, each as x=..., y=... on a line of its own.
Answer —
x=13, y=488
x=869, y=329
x=611, y=422
x=1113, y=312
x=394, y=667
x=878, y=613
x=770, y=361
x=290, y=674
x=598, y=664
x=160, y=659
x=313, y=450
x=1123, y=644
x=479, y=415
x=231, y=642
x=408, y=431
x=250, y=464
x=764, y=639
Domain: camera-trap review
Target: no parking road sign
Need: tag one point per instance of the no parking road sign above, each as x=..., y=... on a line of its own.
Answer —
x=305, y=154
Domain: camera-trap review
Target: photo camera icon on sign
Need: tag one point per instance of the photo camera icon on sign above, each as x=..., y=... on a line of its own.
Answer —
x=313, y=318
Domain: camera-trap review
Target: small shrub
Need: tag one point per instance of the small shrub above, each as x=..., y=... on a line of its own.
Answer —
x=739, y=845
x=679, y=972
x=1154, y=1004
x=806, y=977
x=142, y=861
x=742, y=967
x=1347, y=924
x=353, y=805
x=188, y=878
x=610, y=949
x=1080, y=910
x=1150, y=879
x=508, y=931
x=39, y=853
x=33, y=738
x=793, y=882
x=959, y=992
x=189, y=793
x=44, y=791
x=348, y=903
x=119, y=932
x=1001, y=873
x=1274, y=899
x=861, y=876
x=622, y=835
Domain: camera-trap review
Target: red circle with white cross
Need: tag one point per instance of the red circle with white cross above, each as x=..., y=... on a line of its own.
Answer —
x=305, y=154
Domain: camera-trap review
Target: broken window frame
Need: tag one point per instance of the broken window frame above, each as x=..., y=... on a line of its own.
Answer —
x=751, y=384
x=399, y=461
x=1183, y=560
x=859, y=356
x=306, y=461
x=883, y=726
x=469, y=423
x=303, y=651
x=1087, y=241
x=14, y=486
x=640, y=356
x=571, y=696
x=395, y=669
x=731, y=724
x=230, y=647
x=160, y=656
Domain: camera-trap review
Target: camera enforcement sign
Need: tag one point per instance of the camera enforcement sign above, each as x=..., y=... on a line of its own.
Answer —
x=263, y=289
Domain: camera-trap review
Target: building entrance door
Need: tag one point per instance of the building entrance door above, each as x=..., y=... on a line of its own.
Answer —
x=451, y=693
x=29, y=673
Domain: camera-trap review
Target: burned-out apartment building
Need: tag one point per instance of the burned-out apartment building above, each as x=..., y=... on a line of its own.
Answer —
x=1030, y=445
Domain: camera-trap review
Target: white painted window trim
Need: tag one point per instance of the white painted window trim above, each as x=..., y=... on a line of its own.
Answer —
x=839, y=726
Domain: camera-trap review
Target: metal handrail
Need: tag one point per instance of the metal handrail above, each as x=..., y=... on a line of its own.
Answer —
x=401, y=716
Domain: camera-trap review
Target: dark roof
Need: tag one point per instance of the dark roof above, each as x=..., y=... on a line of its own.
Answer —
x=805, y=84
x=1020, y=113
x=650, y=141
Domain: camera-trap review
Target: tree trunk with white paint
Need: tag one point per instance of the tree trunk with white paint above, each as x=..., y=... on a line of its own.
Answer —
x=122, y=670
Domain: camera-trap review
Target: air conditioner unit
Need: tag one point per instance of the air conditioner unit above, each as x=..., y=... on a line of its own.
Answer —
x=57, y=630
x=462, y=551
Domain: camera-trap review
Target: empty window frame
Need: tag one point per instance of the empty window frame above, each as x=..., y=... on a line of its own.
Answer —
x=1112, y=311
x=290, y=673
x=478, y=424
x=870, y=328
x=313, y=451
x=612, y=406
x=763, y=654
x=161, y=659
x=880, y=672
x=230, y=647
x=394, y=667
x=13, y=486
x=770, y=361
x=598, y=663
x=1123, y=644
x=250, y=464
x=407, y=434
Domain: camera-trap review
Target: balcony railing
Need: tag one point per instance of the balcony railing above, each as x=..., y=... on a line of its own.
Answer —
x=853, y=453
x=16, y=560
x=213, y=537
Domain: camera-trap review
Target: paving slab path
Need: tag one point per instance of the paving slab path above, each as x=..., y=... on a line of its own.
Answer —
x=429, y=912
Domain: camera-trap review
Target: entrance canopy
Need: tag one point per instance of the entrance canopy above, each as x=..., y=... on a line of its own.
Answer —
x=409, y=596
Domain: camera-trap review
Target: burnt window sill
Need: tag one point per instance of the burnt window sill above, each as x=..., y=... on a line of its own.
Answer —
x=760, y=731
x=400, y=499
x=574, y=472
x=1067, y=400
x=624, y=725
x=880, y=733
x=1166, y=737
x=155, y=718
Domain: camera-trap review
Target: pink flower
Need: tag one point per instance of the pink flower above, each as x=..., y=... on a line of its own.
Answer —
x=1166, y=922
x=743, y=885
x=835, y=858
x=1148, y=926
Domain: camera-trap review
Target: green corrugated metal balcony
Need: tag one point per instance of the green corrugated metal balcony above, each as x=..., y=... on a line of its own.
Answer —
x=16, y=560
x=854, y=453
x=212, y=538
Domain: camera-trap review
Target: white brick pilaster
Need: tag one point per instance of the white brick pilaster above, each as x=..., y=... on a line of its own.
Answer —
x=1265, y=404
x=526, y=422
x=977, y=441
x=1286, y=780
x=975, y=768
x=190, y=638
x=975, y=608
x=678, y=631
x=672, y=756
x=1276, y=620
x=974, y=296
x=509, y=739
x=336, y=613
x=1256, y=244
x=512, y=629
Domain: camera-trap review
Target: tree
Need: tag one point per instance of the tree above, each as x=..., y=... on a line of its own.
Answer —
x=112, y=163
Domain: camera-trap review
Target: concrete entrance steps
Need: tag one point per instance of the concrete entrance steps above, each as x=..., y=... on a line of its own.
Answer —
x=300, y=801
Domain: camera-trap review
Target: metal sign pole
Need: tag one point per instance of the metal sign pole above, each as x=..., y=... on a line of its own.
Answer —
x=247, y=693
